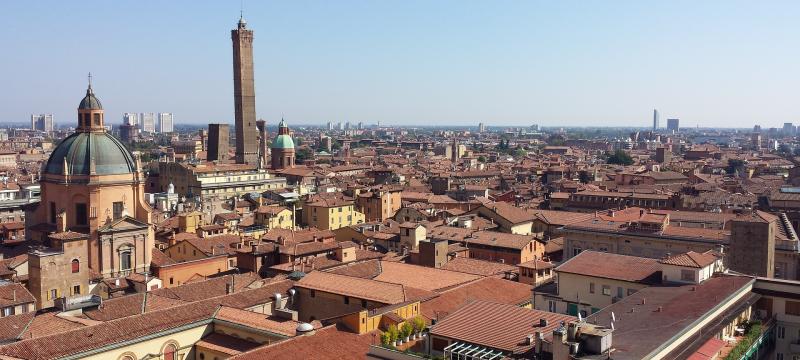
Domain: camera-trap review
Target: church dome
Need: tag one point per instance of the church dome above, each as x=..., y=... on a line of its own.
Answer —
x=110, y=156
x=283, y=142
x=90, y=102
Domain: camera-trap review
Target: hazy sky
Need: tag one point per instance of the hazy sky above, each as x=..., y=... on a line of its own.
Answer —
x=712, y=63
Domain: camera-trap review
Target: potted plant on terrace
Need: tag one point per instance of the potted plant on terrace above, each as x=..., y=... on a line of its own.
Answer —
x=393, y=334
x=405, y=330
x=419, y=326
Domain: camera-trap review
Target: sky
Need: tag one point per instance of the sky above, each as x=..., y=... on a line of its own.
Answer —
x=411, y=62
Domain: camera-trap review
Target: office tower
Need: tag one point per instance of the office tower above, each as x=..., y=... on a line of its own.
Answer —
x=673, y=125
x=757, y=128
x=263, y=151
x=218, y=142
x=165, y=122
x=244, y=95
x=655, y=119
x=330, y=126
x=42, y=122
x=148, y=122
x=347, y=125
x=360, y=125
x=131, y=118
x=481, y=127
x=788, y=128
x=340, y=126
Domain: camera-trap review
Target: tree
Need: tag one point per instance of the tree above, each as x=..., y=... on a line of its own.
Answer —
x=620, y=157
x=419, y=324
x=406, y=329
x=482, y=159
x=520, y=152
x=393, y=333
x=304, y=154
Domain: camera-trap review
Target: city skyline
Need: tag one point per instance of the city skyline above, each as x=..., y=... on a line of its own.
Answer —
x=418, y=64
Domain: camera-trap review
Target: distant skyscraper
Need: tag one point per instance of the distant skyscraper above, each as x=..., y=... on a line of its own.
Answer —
x=340, y=126
x=218, y=142
x=148, y=122
x=131, y=119
x=481, y=127
x=165, y=123
x=673, y=125
x=42, y=122
x=330, y=126
x=244, y=95
x=360, y=125
x=757, y=128
x=655, y=119
x=788, y=128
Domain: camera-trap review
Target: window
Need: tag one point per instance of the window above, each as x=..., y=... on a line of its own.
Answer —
x=76, y=266
x=76, y=290
x=313, y=293
x=551, y=306
x=779, y=356
x=364, y=304
x=8, y=311
x=576, y=251
x=687, y=275
x=118, y=206
x=52, y=212
x=81, y=216
x=781, y=332
x=591, y=288
x=607, y=290
x=53, y=294
x=96, y=119
x=171, y=280
x=169, y=352
x=793, y=308
x=125, y=260
x=620, y=292
x=347, y=300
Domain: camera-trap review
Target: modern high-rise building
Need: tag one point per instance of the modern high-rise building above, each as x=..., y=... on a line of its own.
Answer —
x=42, y=122
x=481, y=127
x=673, y=125
x=788, y=128
x=655, y=119
x=244, y=95
x=330, y=126
x=218, y=142
x=360, y=125
x=165, y=123
x=130, y=119
x=148, y=122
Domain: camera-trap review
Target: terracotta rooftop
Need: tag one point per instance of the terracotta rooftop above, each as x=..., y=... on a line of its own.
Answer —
x=421, y=277
x=329, y=343
x=641, y=331
x=612, y=266
x=499, y=326
x=378, y=291
x=477, y=267
x=691, y=259
x=489, y=289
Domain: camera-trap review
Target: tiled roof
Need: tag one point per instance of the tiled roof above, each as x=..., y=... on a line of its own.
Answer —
x=691, y=259
x=12, y=327
x=364, y=269
x=498, y=326
x=14, y=294
x=257, y=321
x=329, y=343
x=378, y=291
x=612, y=266
x=489, y=289
x=421, y=277
x=642, y=330
x=226, y=344
x=477, y=267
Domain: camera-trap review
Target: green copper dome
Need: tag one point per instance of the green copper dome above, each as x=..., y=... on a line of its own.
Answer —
x=283, y=142
x=110, y=156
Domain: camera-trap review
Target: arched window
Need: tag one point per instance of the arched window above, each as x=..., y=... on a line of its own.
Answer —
x=76, y=266
x=169, y=352
x=125, y=260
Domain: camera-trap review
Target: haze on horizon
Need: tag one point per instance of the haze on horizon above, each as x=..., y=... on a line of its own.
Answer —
x=570, y=63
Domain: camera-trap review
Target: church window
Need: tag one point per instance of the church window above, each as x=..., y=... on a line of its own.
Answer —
x=169, y=352
x=118, y=206
x=81, y=216
x=125, y=260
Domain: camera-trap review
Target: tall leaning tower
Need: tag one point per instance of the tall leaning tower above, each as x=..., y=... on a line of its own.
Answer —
x=244, y=95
